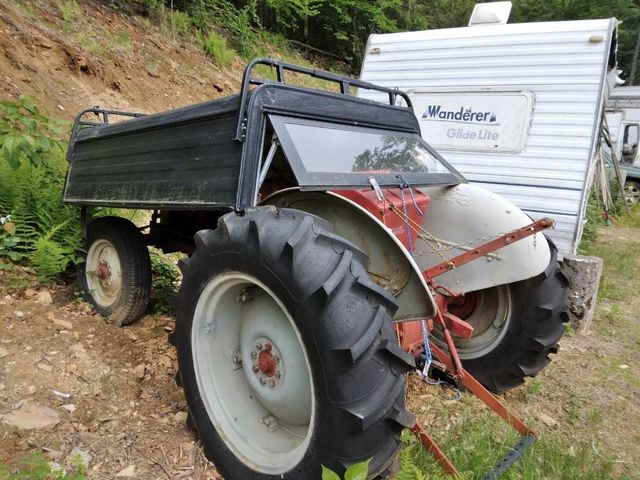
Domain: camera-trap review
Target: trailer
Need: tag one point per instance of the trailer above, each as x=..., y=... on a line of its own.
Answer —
x=516, y=108
x=623, y=120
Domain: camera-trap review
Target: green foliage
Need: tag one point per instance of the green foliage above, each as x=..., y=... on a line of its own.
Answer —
x=27, y=134
x=216, y=46
x=166, y=277
x=70, y=11
x=475, y=442
x=36, y=467
x=44, y=233
x=357, y=471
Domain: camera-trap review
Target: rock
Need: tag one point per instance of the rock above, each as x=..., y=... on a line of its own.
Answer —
x=139, y=371
x=45, y=366
x=3, y=352
x=44, y=297
x=30, y=293
x=129, y=471
x=180, y=417
x=19, y=314
x=624, y=366
x=83, y=455
x=31, y=416
x=64, y=324
x=70, y=407
x=548, y=420
x=583, y=274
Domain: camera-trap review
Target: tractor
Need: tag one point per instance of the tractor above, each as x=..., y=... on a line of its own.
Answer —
x=331, y=250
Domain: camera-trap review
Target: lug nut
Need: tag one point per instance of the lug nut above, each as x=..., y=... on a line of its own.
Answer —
x=276, y=358
x=263, y=381
x=268, y=347
x=272, y=383
x=278, y=374
x=255, y=369
x=259, y=346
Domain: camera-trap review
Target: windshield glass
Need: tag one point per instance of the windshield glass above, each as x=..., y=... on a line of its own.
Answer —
x=324, y=154
x=328, y=149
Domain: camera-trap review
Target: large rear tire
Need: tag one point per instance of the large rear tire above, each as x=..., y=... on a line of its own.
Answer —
x=517, y=326
x=286, y=350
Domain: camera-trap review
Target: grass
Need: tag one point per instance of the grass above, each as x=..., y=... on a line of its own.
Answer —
x=216, y=47
x=479, y=441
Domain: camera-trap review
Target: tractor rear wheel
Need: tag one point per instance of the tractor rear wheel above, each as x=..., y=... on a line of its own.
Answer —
x=286, y=350
x=516, y=327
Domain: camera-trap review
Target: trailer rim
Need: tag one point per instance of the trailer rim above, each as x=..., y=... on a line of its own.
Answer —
x=103, y=272
x=271, y=432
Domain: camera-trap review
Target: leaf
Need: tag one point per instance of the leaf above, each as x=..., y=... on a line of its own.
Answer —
x=328, y=474
x=357, y=471
x=11, y=241
x=11, y=149
x=10, y=228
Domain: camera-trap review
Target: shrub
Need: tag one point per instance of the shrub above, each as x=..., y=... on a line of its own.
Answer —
x=42, y=231
x=216, y=46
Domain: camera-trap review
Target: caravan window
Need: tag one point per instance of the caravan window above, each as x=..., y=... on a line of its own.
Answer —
x=630, y=142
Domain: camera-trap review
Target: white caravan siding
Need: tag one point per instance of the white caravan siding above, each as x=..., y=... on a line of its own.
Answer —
x=556, y=61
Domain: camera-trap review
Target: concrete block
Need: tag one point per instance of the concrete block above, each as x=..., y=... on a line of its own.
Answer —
x=584, y=275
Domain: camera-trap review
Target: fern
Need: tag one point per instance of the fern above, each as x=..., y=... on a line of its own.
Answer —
x=31, y=190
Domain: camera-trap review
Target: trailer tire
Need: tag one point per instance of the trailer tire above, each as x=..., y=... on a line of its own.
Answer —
x=632, y=191
x=117, y=252
x=328, y=331
x=536, y=316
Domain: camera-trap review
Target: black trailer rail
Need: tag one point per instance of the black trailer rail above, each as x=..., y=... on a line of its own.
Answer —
x=345, y=84
x=102, y=114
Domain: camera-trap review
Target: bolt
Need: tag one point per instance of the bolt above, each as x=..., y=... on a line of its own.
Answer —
x=254, y=354
x=278, y=374
x=276, y=358
x=255, y=369
x=272, y=383
x=209, y=328
x=263, y=380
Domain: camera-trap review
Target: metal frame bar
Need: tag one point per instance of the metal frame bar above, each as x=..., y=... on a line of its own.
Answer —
x=345, y=84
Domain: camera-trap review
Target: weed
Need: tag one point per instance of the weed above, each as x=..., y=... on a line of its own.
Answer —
x=36, y=467
x=532, y=388
x=90, y=44
x=166, y=277
x=357, y=471
x=122, y=40
x=216, y=46
x=70, y=11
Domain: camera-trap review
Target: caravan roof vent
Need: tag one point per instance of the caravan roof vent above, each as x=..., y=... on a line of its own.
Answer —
x=493, y=13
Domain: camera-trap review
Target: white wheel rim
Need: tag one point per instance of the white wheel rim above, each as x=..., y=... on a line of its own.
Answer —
x=253, y=373
x=103, y=272
x=632, y=192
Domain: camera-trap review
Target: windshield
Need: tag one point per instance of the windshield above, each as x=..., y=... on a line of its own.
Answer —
x=338, y=154
x=325, y=149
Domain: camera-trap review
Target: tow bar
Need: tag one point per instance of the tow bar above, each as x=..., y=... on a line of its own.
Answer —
x=453, y=365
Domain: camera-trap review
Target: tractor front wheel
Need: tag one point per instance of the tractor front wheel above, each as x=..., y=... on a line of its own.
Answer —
x=286, y=350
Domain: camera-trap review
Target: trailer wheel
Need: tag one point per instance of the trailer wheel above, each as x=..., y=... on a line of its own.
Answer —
x=632, y=191
x=286, y=351
x=516, y=327
x=116, y=275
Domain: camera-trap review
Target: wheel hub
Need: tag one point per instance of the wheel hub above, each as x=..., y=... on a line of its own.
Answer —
x=103, y=272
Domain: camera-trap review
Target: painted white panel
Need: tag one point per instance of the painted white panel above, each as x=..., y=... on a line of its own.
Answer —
x=563, y=67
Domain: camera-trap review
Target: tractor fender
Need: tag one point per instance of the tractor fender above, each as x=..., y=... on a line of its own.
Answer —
x=390, y=264
x=470, y=215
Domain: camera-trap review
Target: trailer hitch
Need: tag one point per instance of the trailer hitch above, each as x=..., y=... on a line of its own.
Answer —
x=453, y=366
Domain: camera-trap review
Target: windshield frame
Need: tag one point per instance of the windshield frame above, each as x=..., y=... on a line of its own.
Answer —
x=327, y=180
